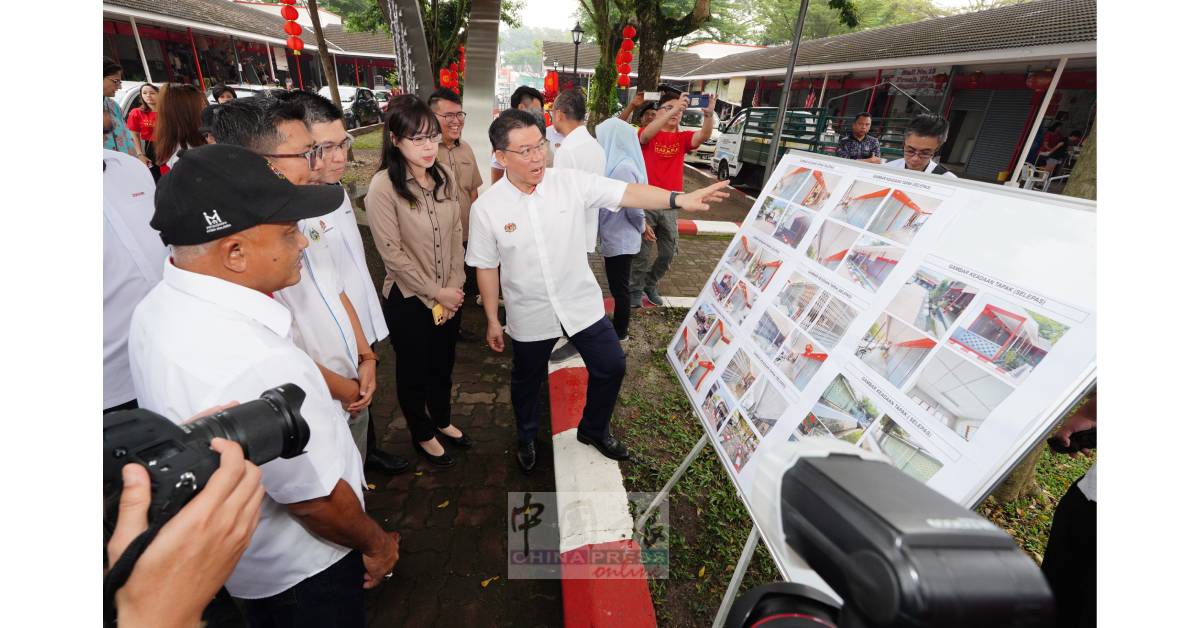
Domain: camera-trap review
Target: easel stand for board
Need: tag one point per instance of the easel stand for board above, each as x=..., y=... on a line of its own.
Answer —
x=739, y=572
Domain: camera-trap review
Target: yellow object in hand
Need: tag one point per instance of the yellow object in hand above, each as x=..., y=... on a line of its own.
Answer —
x=439, y=314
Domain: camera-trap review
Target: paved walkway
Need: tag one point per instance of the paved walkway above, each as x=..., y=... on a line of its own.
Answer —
x=452, y=522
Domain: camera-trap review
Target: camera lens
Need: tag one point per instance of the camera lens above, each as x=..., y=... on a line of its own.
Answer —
x=267, y=428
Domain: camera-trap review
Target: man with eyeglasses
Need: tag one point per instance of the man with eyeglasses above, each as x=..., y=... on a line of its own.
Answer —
x=922, y=140
x=532, y=223
x=340, y=233
x=456, y=154
x=325, y=322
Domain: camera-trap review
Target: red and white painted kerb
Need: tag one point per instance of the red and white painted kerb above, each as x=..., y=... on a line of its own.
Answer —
x=706, y=227
x=587, y=482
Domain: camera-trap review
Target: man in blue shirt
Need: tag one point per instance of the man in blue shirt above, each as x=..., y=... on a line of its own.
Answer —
x=858, y=145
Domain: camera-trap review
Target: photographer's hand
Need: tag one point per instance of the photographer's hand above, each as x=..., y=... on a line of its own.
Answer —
x=194, y=553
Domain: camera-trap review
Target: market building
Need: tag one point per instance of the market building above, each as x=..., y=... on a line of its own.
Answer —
x=209, y=42
x=988, y=73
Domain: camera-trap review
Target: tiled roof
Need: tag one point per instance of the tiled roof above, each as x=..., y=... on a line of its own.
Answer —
x=237, y=17
x=674, y=64
x=1041, y=23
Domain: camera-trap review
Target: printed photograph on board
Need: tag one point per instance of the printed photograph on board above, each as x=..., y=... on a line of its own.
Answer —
x=764, y=267
x=859, y=203
x=765, y=406
x=740, y=374
x=828, y=319
x=694, y=329
x=698, y=369
x=800, y=359
x=718, y=340
x=796, y=296
x=722, y=284
x=1011, y=341
x=957, y=392
x=793, y=226
x=741, y=300
x=815, y=190
x=902, y=216
x=931, y=301
x=893, y=349
x=810, y=427
x=744, y=250
x=831, y=244
x=791, y=183
x=770, y=331
x=770, y=214
x=738, y=441
x=716, y=407
x=844, y=410
x=870, y=262
x=892, y=441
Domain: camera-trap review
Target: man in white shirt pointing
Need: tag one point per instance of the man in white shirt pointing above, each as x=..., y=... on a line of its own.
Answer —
x=532, y=222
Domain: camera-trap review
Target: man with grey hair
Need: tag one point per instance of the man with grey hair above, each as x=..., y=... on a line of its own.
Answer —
x=579, y=150
x=212, y=332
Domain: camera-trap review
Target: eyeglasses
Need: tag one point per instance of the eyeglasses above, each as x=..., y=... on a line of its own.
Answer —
x=909, y=151
x=343, y=146
x=425, y=140
x=114, y=81
x=312, y=155
x=529, y=152
x=457, y=116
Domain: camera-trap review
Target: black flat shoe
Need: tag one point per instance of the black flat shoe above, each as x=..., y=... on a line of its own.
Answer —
x=526, y=456
x=462, y=442
x=444, y=460
x=384, y=462
x=609, y=445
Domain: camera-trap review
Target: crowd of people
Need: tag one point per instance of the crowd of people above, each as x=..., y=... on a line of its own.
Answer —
x=234, y=263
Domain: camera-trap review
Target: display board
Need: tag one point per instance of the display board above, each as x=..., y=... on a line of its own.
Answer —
x=943, y=323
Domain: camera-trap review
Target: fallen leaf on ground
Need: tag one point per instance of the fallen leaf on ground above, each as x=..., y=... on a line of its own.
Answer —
x=370, y=487
x=485, y=583
x=701, y=574
x=444, y=504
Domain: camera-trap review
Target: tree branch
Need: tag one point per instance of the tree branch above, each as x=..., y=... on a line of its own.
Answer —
x=678, y=27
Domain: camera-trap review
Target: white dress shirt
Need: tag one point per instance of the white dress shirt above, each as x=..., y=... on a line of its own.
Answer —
x=198, y=341
x=133, y=262
x=538, y=239
x=321, y=325
x=346, y=245
x=581, y=151
x=898, y=163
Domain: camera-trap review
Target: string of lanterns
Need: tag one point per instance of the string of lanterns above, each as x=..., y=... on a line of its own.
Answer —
x=450, y=76
x=293, y=30
x=625, y=55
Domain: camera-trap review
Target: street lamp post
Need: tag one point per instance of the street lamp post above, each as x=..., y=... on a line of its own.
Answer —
x=577, y=37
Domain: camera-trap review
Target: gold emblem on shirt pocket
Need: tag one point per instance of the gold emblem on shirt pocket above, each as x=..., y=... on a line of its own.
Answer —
x=510, y=227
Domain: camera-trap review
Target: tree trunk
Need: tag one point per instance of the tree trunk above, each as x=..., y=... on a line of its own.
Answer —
x=326, y=63
x=1020, y=481
x=656, y=29
x=1082, y=183
x=604, y=81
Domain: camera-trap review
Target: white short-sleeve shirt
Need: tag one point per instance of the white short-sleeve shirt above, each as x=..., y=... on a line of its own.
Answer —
x=321, y=326
x=581, y=151
x=538, y=240
x=133, y=262
x=347, y=247
x=898, y=163
x=196, y=342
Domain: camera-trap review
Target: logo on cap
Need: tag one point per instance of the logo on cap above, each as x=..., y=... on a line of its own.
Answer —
x=214, y=221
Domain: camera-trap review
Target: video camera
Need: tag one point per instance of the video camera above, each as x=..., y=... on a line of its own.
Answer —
x=178, y=458
x=898, y=553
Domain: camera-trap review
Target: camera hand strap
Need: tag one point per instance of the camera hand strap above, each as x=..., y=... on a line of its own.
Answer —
x=123, y=567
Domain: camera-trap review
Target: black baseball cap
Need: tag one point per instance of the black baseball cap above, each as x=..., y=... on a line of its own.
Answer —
x=220, y=189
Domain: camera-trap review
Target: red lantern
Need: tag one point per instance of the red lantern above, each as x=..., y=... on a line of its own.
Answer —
x=624, y=68
x=289, y=13
x=287, y=2
x=1039, y=81
x=295, y=44
x=624, y=57
x=291, y=28
x=628, y=32
x=623, y=80
x=627, y=45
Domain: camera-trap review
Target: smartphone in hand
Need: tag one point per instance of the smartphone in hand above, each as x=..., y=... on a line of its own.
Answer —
x=699, y=101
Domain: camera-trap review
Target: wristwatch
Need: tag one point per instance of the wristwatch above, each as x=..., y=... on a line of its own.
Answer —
x=674, y=205
x=369, y=355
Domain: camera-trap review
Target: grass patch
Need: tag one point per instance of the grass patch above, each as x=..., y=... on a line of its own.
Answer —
x=709, y=524
x=366, y=159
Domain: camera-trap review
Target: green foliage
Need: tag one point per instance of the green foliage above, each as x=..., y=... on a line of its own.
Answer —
x=1049, y=329
x=836, y=17
x=521, y=48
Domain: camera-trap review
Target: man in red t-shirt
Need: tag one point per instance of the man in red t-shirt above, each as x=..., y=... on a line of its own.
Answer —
x=663, y=148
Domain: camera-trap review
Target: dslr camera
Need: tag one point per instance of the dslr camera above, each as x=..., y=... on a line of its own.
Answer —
x=178, y=458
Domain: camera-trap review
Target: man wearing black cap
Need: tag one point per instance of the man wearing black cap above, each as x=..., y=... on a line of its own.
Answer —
x=210, y=333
